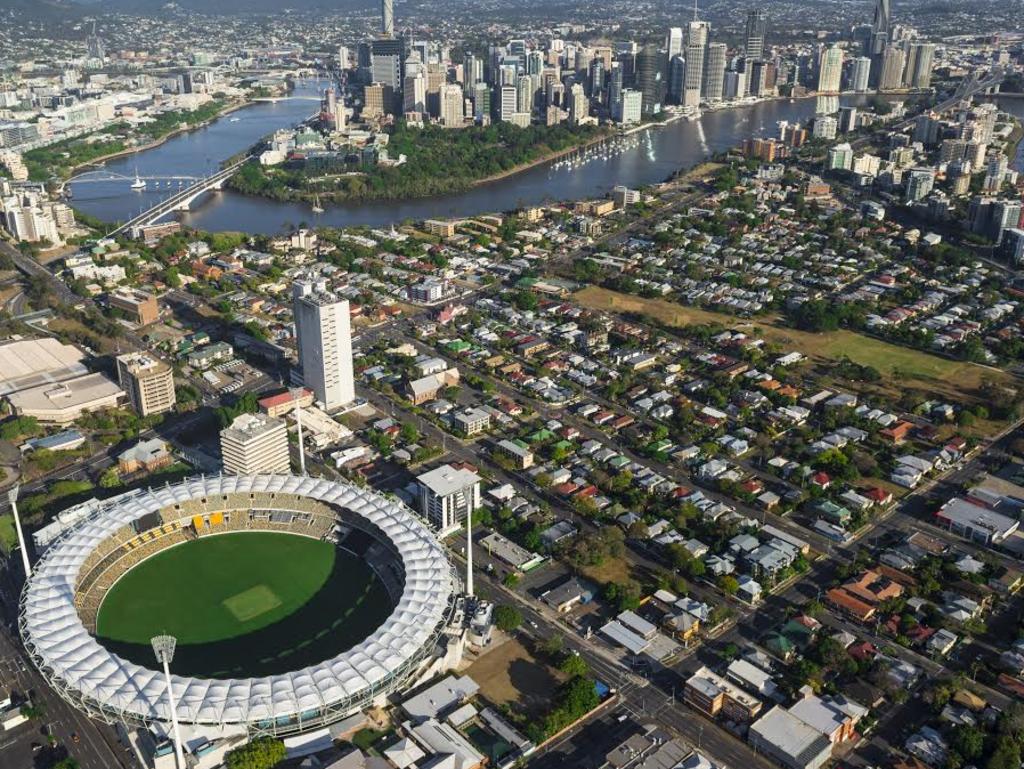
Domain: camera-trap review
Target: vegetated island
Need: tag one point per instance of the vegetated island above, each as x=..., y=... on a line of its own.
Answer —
x=439, y=161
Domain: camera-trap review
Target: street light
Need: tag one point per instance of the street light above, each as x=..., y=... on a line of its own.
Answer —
x=297, y=393
x=12, y=497
x=163, y=648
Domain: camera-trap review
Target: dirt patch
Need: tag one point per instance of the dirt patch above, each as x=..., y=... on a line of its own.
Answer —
x=510, y=673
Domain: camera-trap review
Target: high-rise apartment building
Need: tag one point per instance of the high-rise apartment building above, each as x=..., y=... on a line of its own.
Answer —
x=891, y=76
x=148, y=381
x=324, y=340
x=452, y=105
x=447, y=495
x=830, y=70
x=674, y=42
x=255, y=443
x=860, y=74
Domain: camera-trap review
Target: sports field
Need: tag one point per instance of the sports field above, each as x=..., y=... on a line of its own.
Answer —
x=244, y=604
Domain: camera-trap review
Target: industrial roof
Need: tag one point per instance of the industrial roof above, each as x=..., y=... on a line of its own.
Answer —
x=31, y=362
x=94, y=678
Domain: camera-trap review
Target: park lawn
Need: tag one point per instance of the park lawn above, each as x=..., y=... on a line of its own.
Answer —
x=901, y=367
x=8, y=536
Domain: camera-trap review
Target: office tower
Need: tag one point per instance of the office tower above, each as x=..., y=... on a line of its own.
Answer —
x=517, y=48
x=596, y=79
x=387, y=55
x=481, y=97
x=253, y=444
x=676, y=79
x=735, y=85
x=830, y=70
x=324, y=340
x=387, y=17
x=414, y=91
x=630, y=107
x=674, y=42
x=343, y=57
x=757, y=28
x=757, y=78
x=714, y=71
x=694, y=78
x=508, y=99
x=148, y=381
x=95, y=47
x=650, y=78
x=881, y=27
x=891, y=76
x=615, y=87
x=452, y=105
x=579, y=107
x=373, y=101
x=447, y=495
x=524, y=94
x=860, y=74
x=472, y=70
x=697, y=33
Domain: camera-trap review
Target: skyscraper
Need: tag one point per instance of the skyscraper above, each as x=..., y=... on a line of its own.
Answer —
x=917, y=71
x=830, y=70
x=714, y=71
x=860, y=74
x=387, y=17
x=890, y=77
x=452, y=105
x=694, y=77
x=650, y=77
x=757, y=29
x=324, y=340
x=881, y=26
x=697, y=33
x=255, y=443
x=674, y=42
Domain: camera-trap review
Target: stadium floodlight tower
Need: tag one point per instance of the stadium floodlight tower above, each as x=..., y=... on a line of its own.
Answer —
x=163, y=648
x=12, y=497
x=297, y=393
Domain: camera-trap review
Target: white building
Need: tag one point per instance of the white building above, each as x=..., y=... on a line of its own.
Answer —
x=447, y=495
x=324, y=340
x=255, y=443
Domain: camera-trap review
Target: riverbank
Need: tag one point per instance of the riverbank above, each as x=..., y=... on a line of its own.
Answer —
x=225, y=111
x=438, y=161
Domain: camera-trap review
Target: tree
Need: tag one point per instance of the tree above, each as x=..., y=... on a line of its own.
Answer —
x=728, y=584
x=1005, y=756
x=409, y=433
x=507, y=618
x=66, y=763
x=969, y=741
x=110, y=478
x=261, y=753
x=574, y=665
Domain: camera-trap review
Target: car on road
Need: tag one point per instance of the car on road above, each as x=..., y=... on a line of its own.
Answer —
x=75, y=737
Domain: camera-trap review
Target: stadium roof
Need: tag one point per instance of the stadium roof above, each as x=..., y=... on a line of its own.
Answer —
x=90, y=676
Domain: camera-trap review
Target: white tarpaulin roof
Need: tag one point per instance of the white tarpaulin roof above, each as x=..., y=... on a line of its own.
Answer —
x=72, y=658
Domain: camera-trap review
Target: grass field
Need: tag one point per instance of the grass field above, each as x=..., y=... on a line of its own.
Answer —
x=8, y=536
x=901, y=367
x=244, y=604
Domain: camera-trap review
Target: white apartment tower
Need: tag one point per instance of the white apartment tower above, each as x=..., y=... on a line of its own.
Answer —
x=255, y=443
x=324, y=339
x=447, y=495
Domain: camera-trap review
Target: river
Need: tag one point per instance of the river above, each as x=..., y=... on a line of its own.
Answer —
x=659, y=152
